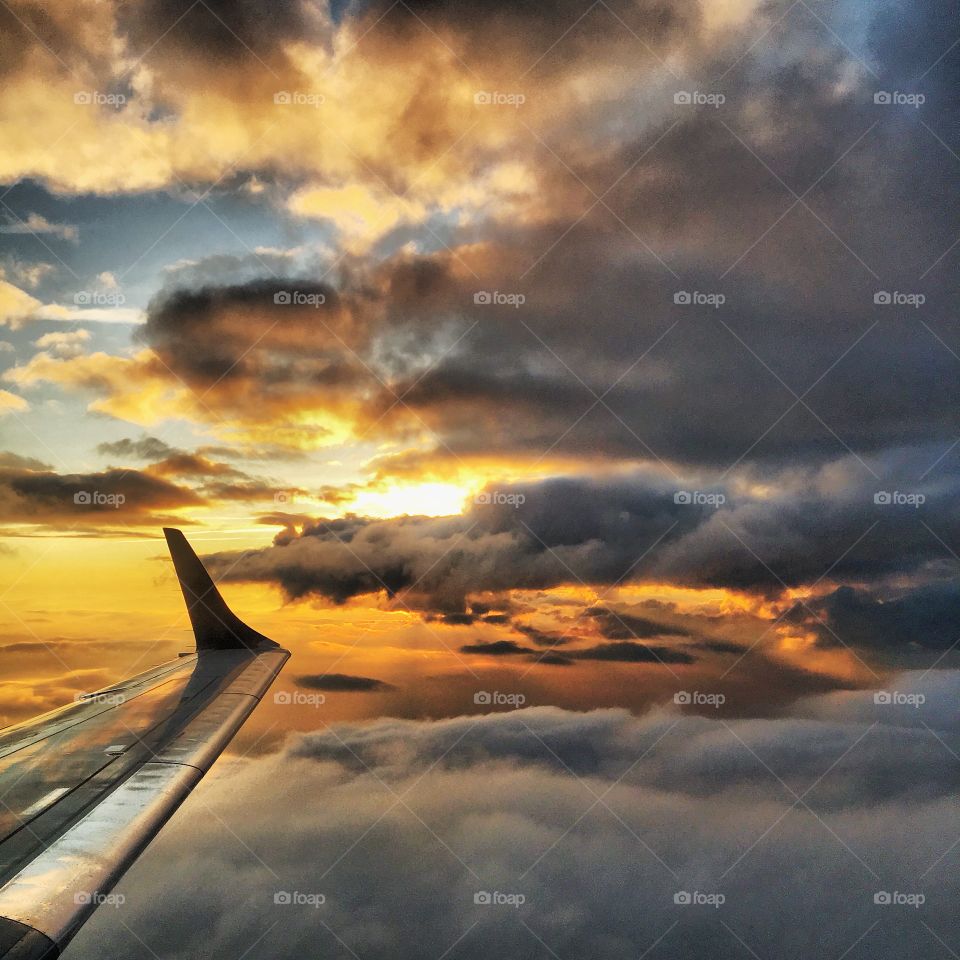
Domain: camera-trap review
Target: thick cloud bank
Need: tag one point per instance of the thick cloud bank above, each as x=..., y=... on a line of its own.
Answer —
x=597, y=820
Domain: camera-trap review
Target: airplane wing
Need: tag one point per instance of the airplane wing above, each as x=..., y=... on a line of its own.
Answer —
x=83, y=789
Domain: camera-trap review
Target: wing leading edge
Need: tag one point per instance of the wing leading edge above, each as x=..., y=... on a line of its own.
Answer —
x=84, y=789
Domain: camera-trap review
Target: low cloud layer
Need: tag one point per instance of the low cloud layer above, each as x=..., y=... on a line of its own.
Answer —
x=597, y=820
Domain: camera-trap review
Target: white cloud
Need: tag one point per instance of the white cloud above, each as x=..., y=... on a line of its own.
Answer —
x=37, y=225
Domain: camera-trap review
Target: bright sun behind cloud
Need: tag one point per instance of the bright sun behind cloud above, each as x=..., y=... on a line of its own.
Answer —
x=419, y=499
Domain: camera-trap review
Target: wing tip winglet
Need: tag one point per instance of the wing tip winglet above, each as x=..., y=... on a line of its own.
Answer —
x=215, y=625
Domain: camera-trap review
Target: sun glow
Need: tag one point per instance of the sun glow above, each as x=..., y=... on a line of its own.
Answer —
x=419, y=499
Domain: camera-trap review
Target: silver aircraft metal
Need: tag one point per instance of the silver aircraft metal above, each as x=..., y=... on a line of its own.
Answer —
x=84, y=788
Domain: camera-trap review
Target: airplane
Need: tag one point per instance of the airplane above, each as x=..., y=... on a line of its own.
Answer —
x=84, y=788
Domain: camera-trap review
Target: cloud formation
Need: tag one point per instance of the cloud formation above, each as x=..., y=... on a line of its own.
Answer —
x=813, y=533
x=597, y=819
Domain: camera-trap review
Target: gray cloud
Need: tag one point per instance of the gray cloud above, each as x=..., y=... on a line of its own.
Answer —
x=340, y=682
x=922, y=619
x=29, y=493
x=508, y=803
x=816, y=527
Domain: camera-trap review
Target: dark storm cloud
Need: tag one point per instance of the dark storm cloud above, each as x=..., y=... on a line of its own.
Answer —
x=496, y=648
x=206, y=333
x=540, y=637
x=340, y=683
x=218, y=481
x=722, y=646
x=600, y=531
x=497, y=803
x=531, y=31
x=225, y=31
x=453, y=619
x=925, y=618
x=626, y=651
x=108, y=498
x=708, y=190
x=623, y=626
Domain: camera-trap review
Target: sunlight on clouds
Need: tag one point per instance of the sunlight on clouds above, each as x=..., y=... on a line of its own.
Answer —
x=361, y=214
x=419, y=499
x=16, y=306
x=11, y=403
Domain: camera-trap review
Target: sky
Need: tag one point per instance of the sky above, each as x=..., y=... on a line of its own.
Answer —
x=539, y=374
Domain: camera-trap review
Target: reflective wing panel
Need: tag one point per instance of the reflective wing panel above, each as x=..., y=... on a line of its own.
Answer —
x=84, y=789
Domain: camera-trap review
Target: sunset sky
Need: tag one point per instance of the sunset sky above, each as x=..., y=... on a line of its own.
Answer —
x=591, y=352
